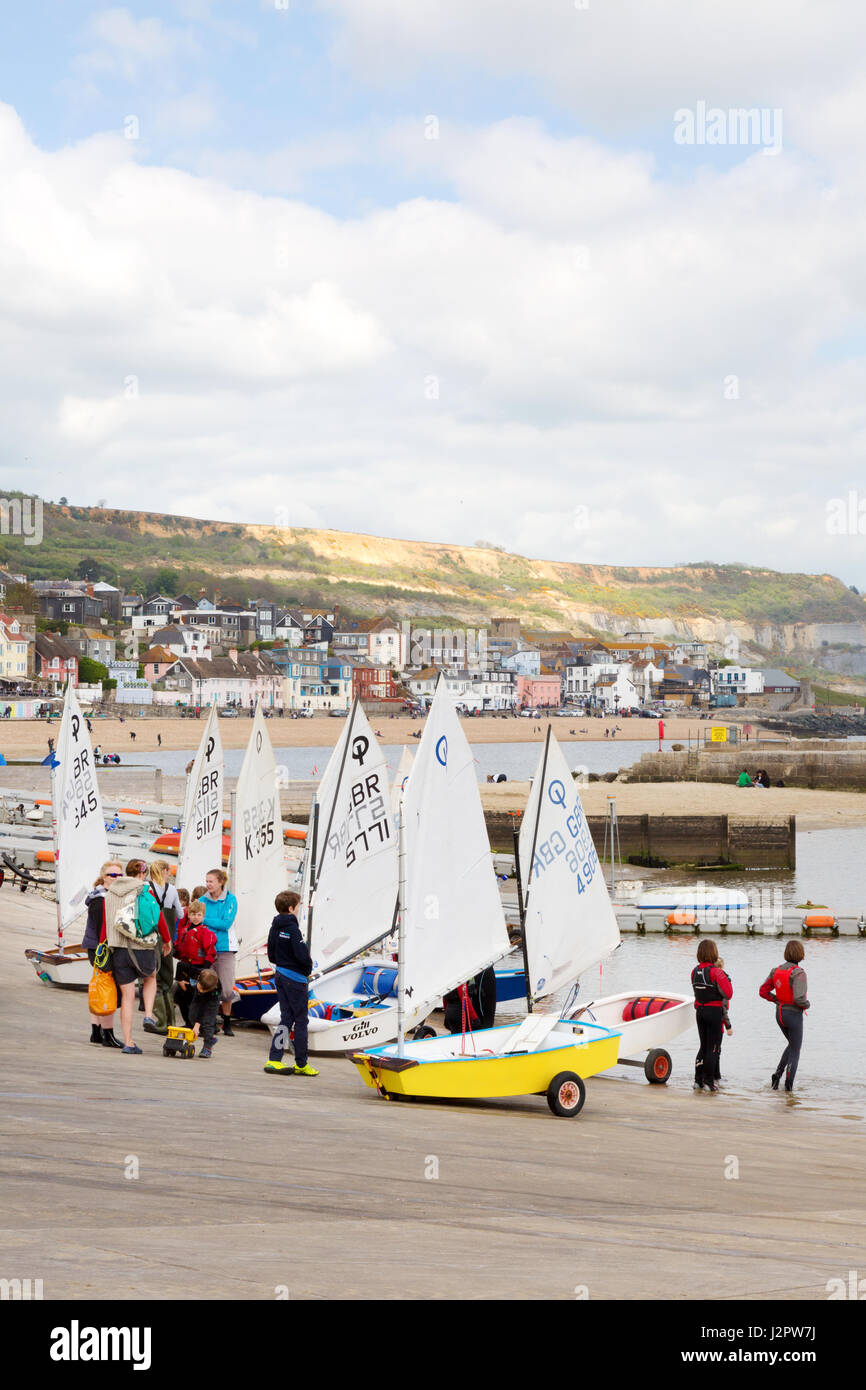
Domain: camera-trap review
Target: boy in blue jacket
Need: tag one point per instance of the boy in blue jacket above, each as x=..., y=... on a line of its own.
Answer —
x=290, y=957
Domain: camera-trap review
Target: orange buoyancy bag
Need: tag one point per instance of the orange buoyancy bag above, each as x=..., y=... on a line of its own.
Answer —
x=641, y=1008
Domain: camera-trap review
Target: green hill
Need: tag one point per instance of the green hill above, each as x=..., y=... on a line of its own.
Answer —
x=366, y=575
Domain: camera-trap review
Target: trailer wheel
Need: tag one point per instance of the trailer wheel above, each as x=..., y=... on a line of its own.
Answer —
x=566, y=1094
x=658, y=1066
x=423, y=1031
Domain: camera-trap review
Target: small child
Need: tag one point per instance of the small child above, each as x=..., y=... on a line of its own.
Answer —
x=195, y=950
x=726, y=1018
x=203, y=1009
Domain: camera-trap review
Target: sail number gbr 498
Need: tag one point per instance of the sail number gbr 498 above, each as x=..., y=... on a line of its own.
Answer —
x=573, y=841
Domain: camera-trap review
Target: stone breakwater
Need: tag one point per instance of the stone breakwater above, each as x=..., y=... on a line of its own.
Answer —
x=830, y=768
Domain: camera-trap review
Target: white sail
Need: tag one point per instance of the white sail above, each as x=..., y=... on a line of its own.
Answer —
x=81, y=844
x=401, y=777
x=258, y=862
x=570, y=923
x=355, y=892
x=201, y=834
x=454, y=924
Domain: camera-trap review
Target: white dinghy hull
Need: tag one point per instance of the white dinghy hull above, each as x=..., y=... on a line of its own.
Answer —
x=368, y=1025
x=648, y=1035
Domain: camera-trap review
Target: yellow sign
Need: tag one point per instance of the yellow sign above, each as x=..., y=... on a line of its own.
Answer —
x=718, y=735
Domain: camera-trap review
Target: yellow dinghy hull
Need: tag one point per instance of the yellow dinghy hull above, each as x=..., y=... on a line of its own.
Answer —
x=435, y=1068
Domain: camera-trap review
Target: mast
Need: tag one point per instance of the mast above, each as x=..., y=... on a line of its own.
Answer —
x=522, y=911
x=233, y=854
x=313, y=832
x=531, y=862
x=56, y=859
x=401, y=929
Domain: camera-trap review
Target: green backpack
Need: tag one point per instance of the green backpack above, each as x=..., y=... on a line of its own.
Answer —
x=147, y=912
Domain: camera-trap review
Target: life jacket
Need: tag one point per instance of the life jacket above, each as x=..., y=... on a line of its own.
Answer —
x=705, y=988
x=782, y=983
x=195, y=944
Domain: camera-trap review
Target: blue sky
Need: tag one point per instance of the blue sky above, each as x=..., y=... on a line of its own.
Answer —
x=550, y=326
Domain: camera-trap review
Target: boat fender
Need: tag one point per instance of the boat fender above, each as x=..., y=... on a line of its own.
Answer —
x=818, y=919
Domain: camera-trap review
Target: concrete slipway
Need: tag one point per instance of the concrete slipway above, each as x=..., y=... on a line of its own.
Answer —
x=250, y=1186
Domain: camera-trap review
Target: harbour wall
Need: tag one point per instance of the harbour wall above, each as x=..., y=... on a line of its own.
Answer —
x=682, y=840
x=831, y=769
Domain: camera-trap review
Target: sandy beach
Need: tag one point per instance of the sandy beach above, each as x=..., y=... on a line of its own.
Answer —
x=29, y=738
x=815, y=809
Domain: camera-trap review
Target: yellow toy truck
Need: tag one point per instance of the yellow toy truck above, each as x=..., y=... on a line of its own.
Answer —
x=179, y=1043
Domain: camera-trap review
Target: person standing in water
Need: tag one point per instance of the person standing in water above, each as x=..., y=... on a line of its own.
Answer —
x=712, y=990
x=785, y=986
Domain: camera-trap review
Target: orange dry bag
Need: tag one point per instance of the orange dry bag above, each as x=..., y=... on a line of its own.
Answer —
x=102, y=993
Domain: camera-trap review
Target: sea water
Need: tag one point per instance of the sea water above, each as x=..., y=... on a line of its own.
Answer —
x=832, y=1074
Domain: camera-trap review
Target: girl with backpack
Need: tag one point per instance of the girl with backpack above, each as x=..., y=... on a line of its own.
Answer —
x=165, y=893
x=132, y=930
x=712, y=990
x=786, y=988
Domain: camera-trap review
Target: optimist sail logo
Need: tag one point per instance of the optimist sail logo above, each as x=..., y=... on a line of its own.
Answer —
x=77, y=1343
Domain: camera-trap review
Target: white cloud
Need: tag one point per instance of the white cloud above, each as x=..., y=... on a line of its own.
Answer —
x=446, y=369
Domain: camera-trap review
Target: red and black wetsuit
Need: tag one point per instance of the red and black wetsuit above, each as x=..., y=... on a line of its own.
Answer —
x=785, y=986
x=712, y=990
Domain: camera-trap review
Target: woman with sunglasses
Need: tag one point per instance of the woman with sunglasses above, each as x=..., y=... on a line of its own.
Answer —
x=101, y=1026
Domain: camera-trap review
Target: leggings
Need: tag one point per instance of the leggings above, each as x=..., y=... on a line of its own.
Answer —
x=790, y=1020
x=709, y=1020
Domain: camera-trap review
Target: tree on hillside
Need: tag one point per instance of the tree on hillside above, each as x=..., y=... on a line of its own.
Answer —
x=96, y=570
x=165, y=580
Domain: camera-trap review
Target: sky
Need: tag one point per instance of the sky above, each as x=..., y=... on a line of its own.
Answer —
x=510, y=271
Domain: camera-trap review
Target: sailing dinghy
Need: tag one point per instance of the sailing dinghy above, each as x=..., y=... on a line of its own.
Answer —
x=446, y=854
x=201, y=836
x=647, y=1020
x=349, y=897
x=257, y=866
x=80, y=844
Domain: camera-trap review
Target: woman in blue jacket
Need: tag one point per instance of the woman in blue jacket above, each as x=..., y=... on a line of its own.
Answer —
x=220, y=911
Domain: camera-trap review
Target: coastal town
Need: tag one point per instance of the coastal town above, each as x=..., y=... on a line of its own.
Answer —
x=166, y=652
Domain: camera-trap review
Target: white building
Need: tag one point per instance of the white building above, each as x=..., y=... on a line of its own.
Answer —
x=737, y=680
x=526, y=661
x=617, y=692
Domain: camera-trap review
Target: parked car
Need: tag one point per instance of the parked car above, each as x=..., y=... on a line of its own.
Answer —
x=339, y=713
x=229, y=712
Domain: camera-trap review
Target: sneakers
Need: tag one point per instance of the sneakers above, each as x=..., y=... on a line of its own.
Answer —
x=206, y=1052
x=150, y=1025
x=132, y=1048
x=306, y=1071
x=281, y=1068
